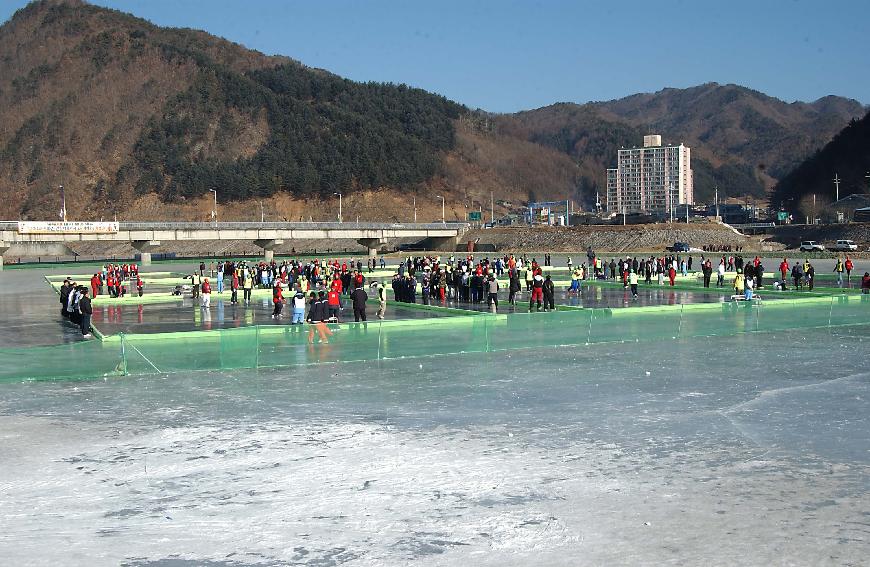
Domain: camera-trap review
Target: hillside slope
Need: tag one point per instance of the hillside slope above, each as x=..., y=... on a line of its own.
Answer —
x=847, y=156
x=133, y=118
x=741, y=140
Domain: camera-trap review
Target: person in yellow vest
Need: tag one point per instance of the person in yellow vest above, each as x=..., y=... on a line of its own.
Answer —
x=839, y=269
x=247, y=286
x=576, y=276
x=738, y=283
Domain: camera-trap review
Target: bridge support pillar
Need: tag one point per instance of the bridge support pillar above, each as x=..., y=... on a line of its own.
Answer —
x=268, y=246
x=3, y=248
x=145, y=247
x=444, y=243
x=372, y=244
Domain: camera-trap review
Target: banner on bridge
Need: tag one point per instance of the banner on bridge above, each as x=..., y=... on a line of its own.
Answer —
x=70, y=227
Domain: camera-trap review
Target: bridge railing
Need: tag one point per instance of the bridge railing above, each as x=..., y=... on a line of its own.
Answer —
x=13, y=225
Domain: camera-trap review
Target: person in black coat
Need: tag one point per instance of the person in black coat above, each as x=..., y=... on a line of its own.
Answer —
x=65, y=290
x=549, y=294
x=359, y=298
x=86, y=311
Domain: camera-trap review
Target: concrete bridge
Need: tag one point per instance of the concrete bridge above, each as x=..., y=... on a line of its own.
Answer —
x=145, y=236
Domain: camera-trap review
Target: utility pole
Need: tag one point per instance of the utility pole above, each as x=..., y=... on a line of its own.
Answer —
x=262, y=213
x=837, y=185
x=491, y=209
x=443, y=217
x=415, y=209
x=814, y=208
x=868, y=180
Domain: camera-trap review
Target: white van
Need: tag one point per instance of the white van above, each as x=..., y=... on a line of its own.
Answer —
x=844, y=246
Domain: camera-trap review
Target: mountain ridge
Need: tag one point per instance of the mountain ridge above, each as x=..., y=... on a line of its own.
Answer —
x=130, y=116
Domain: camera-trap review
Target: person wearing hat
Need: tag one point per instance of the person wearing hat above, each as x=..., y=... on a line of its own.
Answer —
x=359, y=297
x=298, y=306
x=549, y=291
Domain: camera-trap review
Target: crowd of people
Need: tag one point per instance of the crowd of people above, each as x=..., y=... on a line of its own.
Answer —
x=115, y=280
x=317, y=285
x=75, y=305
x=318, y=289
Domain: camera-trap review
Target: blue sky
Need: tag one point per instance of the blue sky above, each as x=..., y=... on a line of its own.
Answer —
x=510, y=55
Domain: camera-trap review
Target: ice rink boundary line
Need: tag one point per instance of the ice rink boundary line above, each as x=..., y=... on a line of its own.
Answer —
x=485, y=351
x=461, y=316
x=123, y=360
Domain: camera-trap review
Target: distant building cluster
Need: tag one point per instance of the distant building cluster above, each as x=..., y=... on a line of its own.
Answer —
x=654, y=178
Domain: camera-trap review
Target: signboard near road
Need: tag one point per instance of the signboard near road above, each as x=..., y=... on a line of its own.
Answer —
x=74, y=227
x=474, y=216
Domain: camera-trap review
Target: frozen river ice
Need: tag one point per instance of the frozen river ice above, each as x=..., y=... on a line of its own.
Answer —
x=746, y=450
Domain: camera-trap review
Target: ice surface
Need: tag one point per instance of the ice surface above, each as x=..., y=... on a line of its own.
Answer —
x=746, y=450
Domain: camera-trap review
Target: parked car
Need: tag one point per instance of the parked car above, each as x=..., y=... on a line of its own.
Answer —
x=678, y=247
x=811, y=246
x=844, y=246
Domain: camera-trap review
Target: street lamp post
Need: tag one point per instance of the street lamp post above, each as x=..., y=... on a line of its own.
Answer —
x=214, y=209
x=716, y=188
x=415, y=209
x=491, y=209
x=262, y=213
x=443, y=217
x=339, y=206
x=62, y=203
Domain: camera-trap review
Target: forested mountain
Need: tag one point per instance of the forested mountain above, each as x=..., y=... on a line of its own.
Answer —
x=741, y=140
x=134, y=119
x=846, y=156
x=120, y=108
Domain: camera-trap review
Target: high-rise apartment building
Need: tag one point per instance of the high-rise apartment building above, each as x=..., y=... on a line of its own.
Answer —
x=653, y=178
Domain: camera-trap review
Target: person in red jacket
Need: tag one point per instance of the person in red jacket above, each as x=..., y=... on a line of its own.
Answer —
x=333, y=303
x=234, y=286
x=672, y=274
x=206, y=294
x=849, y=267
x=278, y=300
x=95, y=285
x=783, y=269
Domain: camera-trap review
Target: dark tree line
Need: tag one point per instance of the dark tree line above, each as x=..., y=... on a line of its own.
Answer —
x=325, y=134
x=846, y=155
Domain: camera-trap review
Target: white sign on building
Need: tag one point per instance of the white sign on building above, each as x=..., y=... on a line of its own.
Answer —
x=70, y=227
